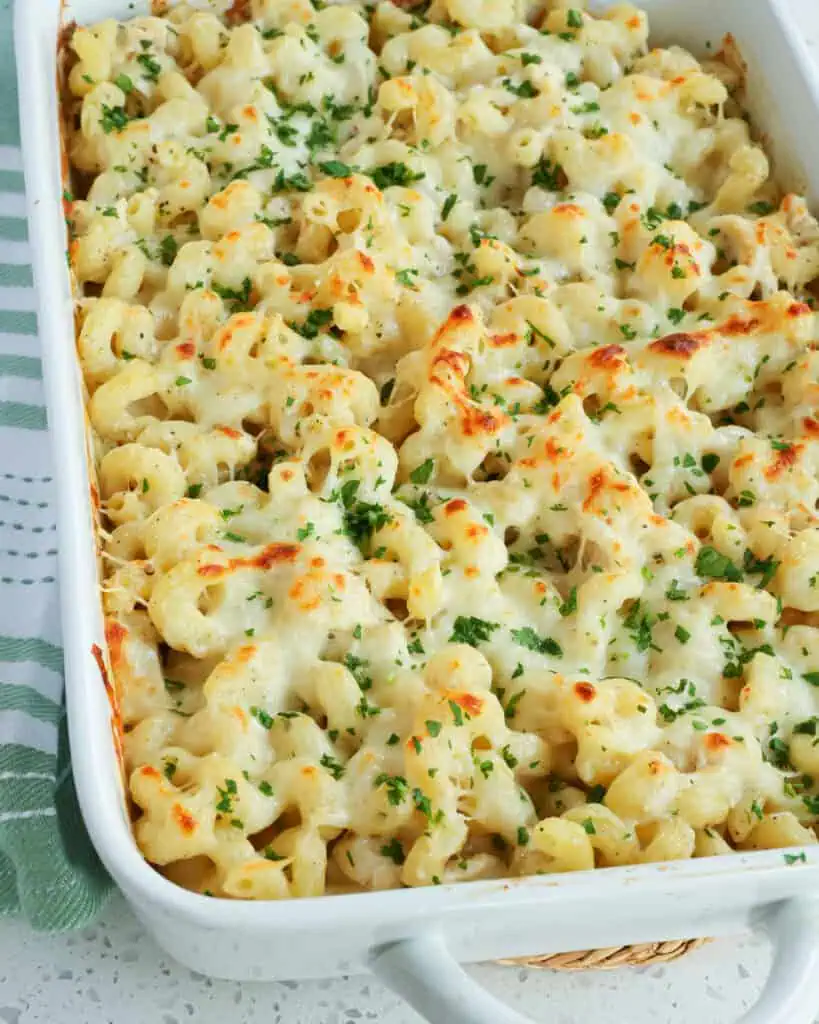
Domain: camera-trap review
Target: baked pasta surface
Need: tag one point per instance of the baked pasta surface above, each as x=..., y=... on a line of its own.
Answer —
x=452, y=377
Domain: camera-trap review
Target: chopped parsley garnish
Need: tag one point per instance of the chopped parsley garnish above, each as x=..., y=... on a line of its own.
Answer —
x=361, y=518
x=778, y=753
x=548, y=175
x=525, y=89
x=611, y=200
x=420, y=507
x=415, y=646
x=334, y=767
x=150, y=67
x=480, y=175
x=168, y=249
x=640, y=624
x=394, y=173
x=509, y=758
x=297, y=182
x=225, y=803
x=457, y=712
x=532, y=641
x=766, y=566
x=569, y=606
x=535, y=333
x=713, y=565
x=512, y=706
x=467, y=629
x=422, y=473
x=356, y=667
x=422, y=803
x=305, y=531
x=315, y=320
x=405, y=277
x=485, y=767
x=365, y=709
x=240, y=298
x=336, y=169
x=114, y=119
x=394, y=851
x=262, y=717
x=396, y=787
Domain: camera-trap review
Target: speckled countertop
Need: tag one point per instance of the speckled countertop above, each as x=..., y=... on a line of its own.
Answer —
x=114, y=974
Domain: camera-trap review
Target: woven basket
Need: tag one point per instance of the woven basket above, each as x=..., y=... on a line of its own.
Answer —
x=605, y=959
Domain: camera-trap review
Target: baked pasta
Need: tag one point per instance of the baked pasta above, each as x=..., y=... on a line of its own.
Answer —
x=452, y=376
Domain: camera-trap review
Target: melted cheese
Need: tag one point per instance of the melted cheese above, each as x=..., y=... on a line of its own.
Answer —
x=453, y=387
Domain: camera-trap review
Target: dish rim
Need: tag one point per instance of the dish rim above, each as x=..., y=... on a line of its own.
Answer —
x=104, y=814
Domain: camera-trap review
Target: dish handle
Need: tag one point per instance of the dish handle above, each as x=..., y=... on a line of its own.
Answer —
x=423, y=971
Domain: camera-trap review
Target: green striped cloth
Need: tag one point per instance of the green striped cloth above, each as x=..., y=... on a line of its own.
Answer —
x=49, y=872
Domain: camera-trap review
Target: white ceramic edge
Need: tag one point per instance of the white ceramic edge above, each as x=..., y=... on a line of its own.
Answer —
x=424, y=972
x=694, y=889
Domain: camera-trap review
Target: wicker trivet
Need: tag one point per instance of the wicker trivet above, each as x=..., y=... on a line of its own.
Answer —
x=615, y=956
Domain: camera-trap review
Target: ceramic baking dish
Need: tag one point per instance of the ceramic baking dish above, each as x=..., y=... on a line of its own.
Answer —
x=413, y=938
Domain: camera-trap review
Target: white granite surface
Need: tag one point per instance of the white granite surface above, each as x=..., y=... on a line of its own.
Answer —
x=114, y=974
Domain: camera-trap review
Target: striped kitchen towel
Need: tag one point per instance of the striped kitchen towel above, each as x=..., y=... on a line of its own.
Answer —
x=49, y=872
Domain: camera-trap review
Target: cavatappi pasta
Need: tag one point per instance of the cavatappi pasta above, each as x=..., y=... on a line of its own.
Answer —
x=453, y=379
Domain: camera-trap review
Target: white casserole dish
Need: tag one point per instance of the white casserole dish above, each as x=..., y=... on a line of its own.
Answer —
x=411, y=938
